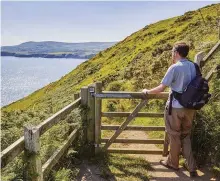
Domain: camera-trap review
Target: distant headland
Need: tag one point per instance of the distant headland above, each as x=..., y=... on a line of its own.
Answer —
x=52, y=49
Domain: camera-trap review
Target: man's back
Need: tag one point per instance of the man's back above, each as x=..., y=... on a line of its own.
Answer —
x=178, y=76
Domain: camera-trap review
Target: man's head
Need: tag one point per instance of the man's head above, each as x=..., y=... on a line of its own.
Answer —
x=180, y=50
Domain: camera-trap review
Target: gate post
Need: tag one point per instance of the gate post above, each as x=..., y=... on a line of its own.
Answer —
x=91, y=118
x=33, y=167
x=84, y=103
x=98, y=106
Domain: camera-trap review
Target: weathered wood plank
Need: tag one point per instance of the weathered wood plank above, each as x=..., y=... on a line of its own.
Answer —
x=98, y=107
x=72, y=127
x=199, y=58
x=84, y=96
x=33, y=167
x=217, y=45
x=84, y=102
x=92, y=85
x=134, y=128
x=8, y=154
x=91, y=116
x=136, y=141
x=126, y=114
x=210, y=73
x=134, y=151
x=130, y=95
x=48, y=123
x=125, y=123
x=58, y=153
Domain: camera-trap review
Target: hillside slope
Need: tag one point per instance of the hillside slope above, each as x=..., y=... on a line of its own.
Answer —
x=140, y=60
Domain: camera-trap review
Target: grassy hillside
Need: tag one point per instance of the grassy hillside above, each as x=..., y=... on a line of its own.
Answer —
x=137, y=62
x=140, y=60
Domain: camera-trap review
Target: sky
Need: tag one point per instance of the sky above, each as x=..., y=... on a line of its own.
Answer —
x=83, y=21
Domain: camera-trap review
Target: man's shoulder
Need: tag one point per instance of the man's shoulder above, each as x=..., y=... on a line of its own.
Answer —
x=173, y=66
x=184, y=63
x=179, y=66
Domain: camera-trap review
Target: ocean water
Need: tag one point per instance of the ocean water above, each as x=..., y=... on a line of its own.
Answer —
x=22, y=76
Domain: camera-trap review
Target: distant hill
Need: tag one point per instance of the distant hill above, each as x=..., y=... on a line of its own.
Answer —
x=52, y=49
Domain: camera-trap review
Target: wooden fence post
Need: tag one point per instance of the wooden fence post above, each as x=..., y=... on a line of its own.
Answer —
x=91, y=118
x=199, y=58
x=84, y=103
x=98, y=106
x=33, y=168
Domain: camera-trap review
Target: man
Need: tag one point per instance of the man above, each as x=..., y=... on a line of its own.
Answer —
x=178, y=120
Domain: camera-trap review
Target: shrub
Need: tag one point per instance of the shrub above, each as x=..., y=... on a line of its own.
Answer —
x=63, y=175
x=206, y=135
x=111, y=106
x=114, y=86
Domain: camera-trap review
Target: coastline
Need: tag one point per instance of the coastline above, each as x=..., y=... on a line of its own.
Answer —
x=41, y=55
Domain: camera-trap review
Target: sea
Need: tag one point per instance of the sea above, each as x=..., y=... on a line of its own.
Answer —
x=22, y=76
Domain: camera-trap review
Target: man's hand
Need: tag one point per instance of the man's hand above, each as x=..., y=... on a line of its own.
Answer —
x=145, y=91
x=155, y=90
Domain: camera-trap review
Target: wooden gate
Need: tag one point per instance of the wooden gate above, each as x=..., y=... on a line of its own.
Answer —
x=97, y=95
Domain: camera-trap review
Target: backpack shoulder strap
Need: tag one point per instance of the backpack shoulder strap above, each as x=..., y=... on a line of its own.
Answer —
x=170, y=104
x=198, y=72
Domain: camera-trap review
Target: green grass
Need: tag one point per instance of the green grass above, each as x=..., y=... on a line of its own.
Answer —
x=151, y=122
x=216, y=171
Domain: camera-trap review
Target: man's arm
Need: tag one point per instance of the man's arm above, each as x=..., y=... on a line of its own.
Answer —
x=166, y=82
x=155, y=90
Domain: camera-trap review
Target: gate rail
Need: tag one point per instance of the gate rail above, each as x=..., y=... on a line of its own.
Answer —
x=95, y=97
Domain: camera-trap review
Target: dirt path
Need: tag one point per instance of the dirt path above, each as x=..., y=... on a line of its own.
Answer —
x=160, y=172
x=91, y=172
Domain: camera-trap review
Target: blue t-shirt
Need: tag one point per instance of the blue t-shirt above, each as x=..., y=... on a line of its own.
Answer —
x=178, y=76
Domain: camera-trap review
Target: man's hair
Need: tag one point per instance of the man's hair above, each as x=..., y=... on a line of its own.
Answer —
x=182, y=48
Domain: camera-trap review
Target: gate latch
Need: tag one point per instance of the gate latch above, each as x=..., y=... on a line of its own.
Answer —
x=92, y=91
